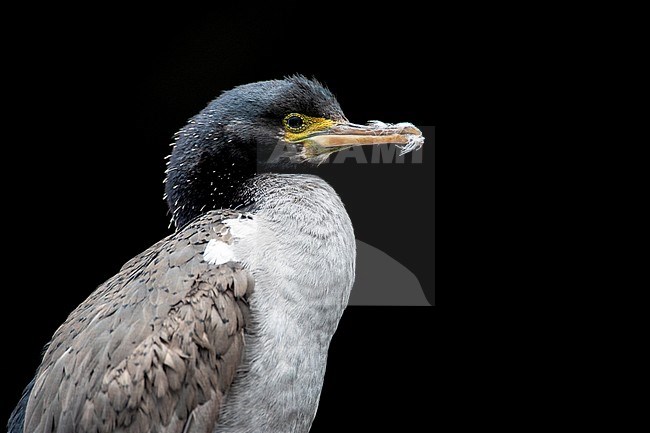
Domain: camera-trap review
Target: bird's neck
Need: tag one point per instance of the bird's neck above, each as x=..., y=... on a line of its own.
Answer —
x=212, y=185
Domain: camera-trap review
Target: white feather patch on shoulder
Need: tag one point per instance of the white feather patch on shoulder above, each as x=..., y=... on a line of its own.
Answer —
x=218, y=253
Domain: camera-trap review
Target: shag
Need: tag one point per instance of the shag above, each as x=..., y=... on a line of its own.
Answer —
x=223, y=326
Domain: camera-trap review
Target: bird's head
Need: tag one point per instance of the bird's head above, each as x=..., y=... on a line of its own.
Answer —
x=276, y=125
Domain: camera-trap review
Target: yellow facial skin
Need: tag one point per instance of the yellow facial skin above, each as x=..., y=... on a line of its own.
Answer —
x=310, y=125
x=316, y=137
x=301, y=131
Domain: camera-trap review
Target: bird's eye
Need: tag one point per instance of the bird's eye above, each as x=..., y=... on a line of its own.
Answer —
x=295, y=122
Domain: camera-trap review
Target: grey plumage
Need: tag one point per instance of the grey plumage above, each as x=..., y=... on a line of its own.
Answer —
x=151, y=345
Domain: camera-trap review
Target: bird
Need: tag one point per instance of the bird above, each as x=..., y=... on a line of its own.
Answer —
x=224, y=325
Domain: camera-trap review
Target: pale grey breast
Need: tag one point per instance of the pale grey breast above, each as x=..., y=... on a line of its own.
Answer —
x=303, y=259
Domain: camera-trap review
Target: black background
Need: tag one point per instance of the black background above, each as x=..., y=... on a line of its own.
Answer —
x=94, y=104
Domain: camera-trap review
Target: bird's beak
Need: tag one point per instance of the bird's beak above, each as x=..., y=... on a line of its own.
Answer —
x=345, y=135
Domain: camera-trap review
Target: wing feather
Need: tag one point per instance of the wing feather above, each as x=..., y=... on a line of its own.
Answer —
x=157, y=345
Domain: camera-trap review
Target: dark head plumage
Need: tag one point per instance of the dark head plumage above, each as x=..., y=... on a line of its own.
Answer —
x=222, y=146
x=259, y=127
